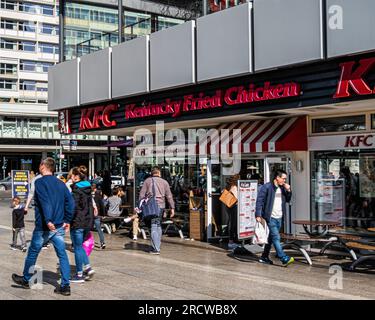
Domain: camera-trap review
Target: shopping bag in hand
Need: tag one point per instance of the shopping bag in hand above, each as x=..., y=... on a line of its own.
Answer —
x=261, y=233
x=89, y=243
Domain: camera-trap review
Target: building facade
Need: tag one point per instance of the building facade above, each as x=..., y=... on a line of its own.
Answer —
x=29, y=45
x=268, y=91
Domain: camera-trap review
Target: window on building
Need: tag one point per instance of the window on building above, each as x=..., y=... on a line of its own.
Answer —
x=29, y=7
x=8, y=4
x=7, y=84
x=28, y=65
x=8, y=24
x=9, y=127
x=48, y=48
x=338, y=124
x=164, y=23
x=46, y=10
x=8, y=68
x=137, y=24
x=8, y=44
x=26, y=46
x=41, y=87
x=49, y=29
x=28, y=85
x=28, y=26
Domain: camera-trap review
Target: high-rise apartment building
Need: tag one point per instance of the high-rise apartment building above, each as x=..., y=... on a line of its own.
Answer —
x=29, y=37
x=29, y=45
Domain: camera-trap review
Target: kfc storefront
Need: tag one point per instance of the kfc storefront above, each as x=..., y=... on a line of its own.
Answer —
x=314, y=121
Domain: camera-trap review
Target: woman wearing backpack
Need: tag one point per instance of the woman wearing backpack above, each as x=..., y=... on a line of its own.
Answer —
x=83, y=220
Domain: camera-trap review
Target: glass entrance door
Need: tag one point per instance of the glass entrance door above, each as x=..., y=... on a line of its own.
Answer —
x=280, y=163
x=252, y=168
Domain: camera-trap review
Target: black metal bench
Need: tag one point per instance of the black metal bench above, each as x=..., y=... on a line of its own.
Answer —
x=366, y=250
x=297, y=241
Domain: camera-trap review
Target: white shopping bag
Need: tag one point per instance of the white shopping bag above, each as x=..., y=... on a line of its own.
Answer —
x=261, y=233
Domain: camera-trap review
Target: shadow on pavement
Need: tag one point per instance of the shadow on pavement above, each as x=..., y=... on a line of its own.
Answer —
x=137, y=246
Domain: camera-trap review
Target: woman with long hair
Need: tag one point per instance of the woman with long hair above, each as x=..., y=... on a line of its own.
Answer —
x=83, y=220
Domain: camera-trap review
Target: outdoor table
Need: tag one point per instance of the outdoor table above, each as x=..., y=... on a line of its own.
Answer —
x=325, y=225
x=321, y=235
x=371, y=229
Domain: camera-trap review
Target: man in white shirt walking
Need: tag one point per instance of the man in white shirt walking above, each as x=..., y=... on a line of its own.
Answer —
x=271, y=206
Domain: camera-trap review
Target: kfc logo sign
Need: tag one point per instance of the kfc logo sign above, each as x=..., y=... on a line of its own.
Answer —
x=359, y=141
x=352, y=78
x=94, y=118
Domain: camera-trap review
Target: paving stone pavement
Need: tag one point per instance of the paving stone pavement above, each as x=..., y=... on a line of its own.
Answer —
x=124, y=270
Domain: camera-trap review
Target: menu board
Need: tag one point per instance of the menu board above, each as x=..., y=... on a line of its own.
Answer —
x=330, y=199
x=20, y=183
x=247, y=197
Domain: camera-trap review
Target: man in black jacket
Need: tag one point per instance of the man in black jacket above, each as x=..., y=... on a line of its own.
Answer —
x=271, y=206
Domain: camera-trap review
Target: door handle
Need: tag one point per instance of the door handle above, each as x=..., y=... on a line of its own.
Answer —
x=209, y=195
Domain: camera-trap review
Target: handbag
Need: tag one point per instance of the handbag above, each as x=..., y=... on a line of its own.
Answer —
x=149, y=206
x=228, y=198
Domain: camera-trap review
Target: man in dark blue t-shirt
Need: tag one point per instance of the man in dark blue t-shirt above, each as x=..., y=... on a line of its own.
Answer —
x=54, y=208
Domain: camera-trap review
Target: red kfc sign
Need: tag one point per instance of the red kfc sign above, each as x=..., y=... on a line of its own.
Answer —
x=93, y=118
x=353, y=78
x=359, y=141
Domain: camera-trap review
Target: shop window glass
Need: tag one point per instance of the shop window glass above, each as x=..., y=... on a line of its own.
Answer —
x=343, y=188
x=348, y=123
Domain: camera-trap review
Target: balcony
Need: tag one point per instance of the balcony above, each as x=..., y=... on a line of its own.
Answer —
x=25, y=35
x=33, y=94
x=26, y=16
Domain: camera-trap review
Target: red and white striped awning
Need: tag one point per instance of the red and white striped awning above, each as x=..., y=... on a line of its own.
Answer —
x=273, y=135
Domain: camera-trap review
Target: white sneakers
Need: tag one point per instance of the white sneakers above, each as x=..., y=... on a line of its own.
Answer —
x=135, y=237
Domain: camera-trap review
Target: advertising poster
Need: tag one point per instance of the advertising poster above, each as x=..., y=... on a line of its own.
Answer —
x=247, y=196
x=330, y=199
x=367, y=176
x=20, y=183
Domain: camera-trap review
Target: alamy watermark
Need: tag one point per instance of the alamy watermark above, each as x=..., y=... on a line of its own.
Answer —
x=336, y=17
x=336, y=280
x=36, y=281
x=178, y=146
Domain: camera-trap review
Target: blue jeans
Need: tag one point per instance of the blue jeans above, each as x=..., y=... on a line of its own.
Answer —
x=78, y=236
x=274, y=226
x=57, y=239
x=156, y=231
x=99, y=229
